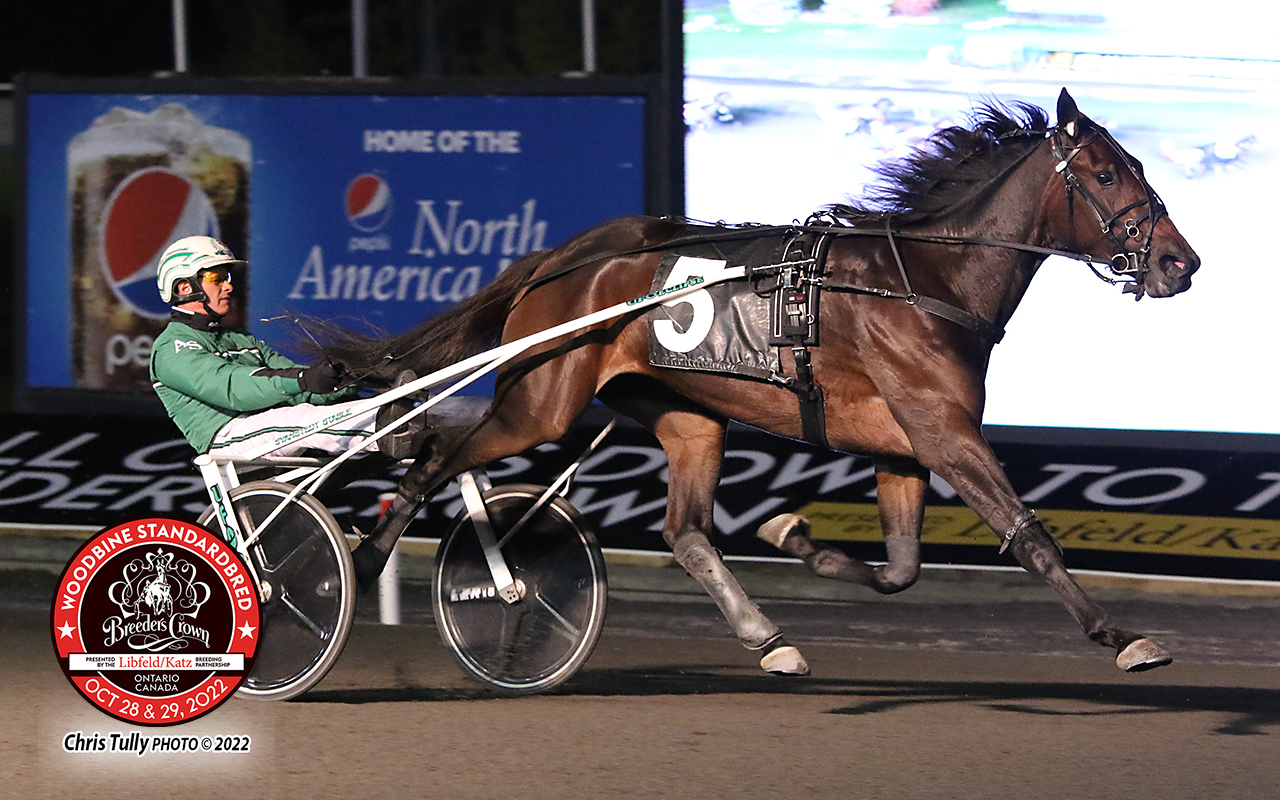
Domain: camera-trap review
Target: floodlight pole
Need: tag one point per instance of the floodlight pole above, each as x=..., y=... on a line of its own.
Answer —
x=359, y=38
x=589, y=36
x=179, y=36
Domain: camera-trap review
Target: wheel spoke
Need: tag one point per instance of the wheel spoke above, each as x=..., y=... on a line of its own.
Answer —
x=297, y=558
x=512, y=619
x=573, y=630
x=316, y=629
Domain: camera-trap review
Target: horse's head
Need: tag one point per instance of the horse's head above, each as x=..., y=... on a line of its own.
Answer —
x=1123, y=221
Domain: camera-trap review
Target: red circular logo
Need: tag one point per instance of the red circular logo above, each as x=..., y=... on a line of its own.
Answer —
x=368, y=202
x=156, y=621
x=149, y=210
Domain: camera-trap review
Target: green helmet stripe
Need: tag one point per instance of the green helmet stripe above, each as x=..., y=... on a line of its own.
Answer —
x=186, y=258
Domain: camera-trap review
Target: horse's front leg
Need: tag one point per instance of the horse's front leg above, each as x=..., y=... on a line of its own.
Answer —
x=900, y=486
x=949, y=443
x=1040, y=554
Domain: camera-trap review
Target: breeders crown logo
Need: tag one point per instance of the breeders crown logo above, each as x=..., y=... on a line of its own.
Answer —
x=155, y=621
x=149, y=618
x=147, y=211
x=368, y=203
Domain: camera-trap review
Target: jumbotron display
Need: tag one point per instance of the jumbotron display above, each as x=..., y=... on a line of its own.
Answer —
x=791, y=103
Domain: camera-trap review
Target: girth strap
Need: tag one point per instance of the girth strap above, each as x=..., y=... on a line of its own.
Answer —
x=795, y=323
x=813, y=413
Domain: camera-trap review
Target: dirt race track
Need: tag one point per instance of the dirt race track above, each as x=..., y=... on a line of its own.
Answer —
x=986, y=696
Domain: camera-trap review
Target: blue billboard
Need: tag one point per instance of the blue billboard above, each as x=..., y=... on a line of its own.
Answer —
x=379, y=209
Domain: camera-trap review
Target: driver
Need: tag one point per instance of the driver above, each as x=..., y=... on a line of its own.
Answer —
x=229, y=392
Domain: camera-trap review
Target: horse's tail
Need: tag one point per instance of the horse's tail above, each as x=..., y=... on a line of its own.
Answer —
x=470, y=327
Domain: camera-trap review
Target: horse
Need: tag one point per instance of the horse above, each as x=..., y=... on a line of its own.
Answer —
x=962, y=223
x=156, y=593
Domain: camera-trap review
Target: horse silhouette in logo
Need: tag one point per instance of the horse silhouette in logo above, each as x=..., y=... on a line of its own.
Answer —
x=159, y=585
x=157, y=593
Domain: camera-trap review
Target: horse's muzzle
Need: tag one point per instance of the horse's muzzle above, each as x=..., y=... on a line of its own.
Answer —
x=1172, y=274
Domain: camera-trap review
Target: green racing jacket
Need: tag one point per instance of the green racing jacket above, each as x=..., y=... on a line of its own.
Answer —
x=207, y=375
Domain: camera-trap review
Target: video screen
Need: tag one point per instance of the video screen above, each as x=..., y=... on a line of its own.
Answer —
x=790, y=104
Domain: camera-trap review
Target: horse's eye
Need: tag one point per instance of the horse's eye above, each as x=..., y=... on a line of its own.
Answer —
x=1106, y=178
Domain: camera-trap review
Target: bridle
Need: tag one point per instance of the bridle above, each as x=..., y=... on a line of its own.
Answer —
x=1128, y=265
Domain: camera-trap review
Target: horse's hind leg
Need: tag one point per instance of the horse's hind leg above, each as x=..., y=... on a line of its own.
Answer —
x=900, y=486
x=694, y=446
x=694, y=443
x=540, y=408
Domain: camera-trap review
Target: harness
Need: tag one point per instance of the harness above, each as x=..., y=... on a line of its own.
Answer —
x=965, y=319
x=793, y=321
x=801, y=276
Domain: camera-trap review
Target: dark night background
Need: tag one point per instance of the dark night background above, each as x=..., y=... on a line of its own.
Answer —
x=407, y=39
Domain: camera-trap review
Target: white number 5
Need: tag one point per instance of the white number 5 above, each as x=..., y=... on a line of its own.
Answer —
x=703, y=308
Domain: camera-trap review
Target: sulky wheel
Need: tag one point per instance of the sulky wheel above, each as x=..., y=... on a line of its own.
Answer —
x=541, y=640
x=306, y=616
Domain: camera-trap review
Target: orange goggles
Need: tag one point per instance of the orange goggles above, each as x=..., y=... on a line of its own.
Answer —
x=216, y=277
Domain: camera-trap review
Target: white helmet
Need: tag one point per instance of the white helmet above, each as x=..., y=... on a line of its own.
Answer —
x=186, y=258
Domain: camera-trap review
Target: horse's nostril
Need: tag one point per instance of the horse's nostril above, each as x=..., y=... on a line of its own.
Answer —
x=1174, y=265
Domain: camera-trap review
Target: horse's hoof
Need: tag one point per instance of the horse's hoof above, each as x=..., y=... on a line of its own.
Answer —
x=1142, y=655
x=776, y=530
x=785, y=660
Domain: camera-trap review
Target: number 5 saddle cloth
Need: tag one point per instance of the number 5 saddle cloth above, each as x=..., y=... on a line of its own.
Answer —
x=737, y=326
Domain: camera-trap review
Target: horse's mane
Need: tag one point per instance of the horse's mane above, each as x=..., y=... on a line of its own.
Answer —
x=950, y=167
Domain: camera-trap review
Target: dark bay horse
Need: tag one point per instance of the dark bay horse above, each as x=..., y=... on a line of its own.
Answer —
x=965, y=222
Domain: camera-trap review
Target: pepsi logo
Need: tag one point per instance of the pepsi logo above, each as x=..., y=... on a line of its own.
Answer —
x=368, y=202
x=147, y=211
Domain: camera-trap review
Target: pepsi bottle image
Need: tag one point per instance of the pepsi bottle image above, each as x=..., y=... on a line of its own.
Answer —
x=137, y=181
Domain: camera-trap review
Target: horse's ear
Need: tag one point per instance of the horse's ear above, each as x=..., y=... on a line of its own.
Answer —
x=1068, y=114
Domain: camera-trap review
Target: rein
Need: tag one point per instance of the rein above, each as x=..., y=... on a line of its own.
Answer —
x=729, y=234
x=960, y=316
x=1130, y=271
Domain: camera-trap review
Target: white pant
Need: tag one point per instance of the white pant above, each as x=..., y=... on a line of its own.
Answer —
x=249, y=432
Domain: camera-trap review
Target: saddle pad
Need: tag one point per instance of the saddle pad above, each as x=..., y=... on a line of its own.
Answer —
x=722, y=328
